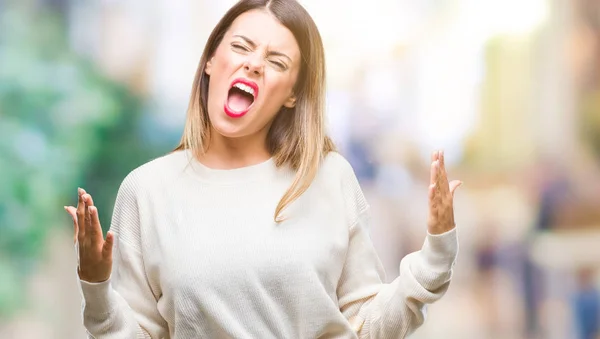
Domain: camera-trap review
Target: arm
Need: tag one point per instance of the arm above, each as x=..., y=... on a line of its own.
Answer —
x=378, y=310
x=124, y=306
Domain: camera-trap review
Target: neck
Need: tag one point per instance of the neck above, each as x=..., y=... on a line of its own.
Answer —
x=229, y=153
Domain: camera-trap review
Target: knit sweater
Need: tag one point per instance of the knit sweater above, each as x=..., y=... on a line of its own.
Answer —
x=198, y=255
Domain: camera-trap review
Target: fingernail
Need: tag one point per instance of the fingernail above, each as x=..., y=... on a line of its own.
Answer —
x=65, y=207
x=90, y=209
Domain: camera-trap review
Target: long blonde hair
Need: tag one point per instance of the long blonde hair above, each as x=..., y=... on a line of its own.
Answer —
x=297, y=137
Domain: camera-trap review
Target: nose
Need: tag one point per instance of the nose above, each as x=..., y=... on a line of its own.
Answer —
x=254, y=66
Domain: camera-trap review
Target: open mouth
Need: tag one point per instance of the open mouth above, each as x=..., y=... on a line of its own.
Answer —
x=240, y=97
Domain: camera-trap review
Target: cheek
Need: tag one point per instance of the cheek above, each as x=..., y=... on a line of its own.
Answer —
x=281, y=89
x=220, y=64
x=224, y=60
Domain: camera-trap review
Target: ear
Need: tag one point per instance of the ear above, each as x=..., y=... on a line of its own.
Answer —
x=208, y=67
x=290, y=102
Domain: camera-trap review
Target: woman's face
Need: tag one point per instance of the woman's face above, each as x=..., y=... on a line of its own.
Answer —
x=252, y=75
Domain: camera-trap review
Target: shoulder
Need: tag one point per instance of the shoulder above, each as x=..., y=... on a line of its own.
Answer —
x=336, y=168
x=337, y=174
x=156, y=171
x=169, y=163
x=335, y=164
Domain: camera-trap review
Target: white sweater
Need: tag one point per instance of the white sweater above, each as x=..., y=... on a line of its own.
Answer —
x=198, y=255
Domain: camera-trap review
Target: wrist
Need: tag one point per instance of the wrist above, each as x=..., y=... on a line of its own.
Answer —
x=92, y=279
x=438, y=229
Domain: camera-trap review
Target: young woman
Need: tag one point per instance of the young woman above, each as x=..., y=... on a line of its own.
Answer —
x=254, y=227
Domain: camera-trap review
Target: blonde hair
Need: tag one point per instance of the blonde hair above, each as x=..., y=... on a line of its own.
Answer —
x=297, y=137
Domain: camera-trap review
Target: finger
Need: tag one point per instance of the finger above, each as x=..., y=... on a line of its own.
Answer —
x=81, y=214
x=87, y=199
x=454, y=185
x=107, y=247
x=95, y=230
x=442, y=180
x=442, y=162
x=434, y=204
x=87, y=219
x=434, y=156
x=434, y=186
x=433, y=174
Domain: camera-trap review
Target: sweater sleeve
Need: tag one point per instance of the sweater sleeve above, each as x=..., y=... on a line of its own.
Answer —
x=125, y=306
x=395, y=310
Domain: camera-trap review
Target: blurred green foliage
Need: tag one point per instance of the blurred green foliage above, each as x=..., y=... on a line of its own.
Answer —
x=62, y=125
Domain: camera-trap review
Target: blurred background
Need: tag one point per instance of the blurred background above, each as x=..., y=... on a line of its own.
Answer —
x=89, y=90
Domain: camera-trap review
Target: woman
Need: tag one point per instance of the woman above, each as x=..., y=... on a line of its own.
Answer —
x=198, y=252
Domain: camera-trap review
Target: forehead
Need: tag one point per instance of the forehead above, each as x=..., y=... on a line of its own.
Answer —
x=265, y=30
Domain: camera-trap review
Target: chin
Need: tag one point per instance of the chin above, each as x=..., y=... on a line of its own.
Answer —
x=229, y=129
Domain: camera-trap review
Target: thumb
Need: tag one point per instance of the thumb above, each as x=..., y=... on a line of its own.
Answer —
x=72, y=211
x=107, y=247
x=454, y=185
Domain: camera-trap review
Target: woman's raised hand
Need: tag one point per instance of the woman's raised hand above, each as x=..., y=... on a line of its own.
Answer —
x=441, y=196
x=94, y=252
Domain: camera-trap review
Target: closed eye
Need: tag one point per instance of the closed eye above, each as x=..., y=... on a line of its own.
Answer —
x=279, y=64
x=239, y=47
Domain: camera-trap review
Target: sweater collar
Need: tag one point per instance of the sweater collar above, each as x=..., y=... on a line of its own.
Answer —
x=262, y=171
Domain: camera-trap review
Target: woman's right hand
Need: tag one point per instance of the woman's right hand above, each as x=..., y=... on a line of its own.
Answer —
x=95, y=253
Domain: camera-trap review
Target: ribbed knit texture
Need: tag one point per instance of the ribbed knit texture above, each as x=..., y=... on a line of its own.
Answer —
x=198, y=255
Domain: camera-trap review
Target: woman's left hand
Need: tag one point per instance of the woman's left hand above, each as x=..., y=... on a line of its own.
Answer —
x=441, y=196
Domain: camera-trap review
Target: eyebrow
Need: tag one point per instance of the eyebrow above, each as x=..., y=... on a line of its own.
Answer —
x=253, y=45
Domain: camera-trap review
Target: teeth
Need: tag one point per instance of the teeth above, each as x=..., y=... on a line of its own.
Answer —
x=244, y=88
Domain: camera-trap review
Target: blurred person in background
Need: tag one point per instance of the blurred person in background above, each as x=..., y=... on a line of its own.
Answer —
x=196, y=247
x=586, y=305
x=552, y=188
